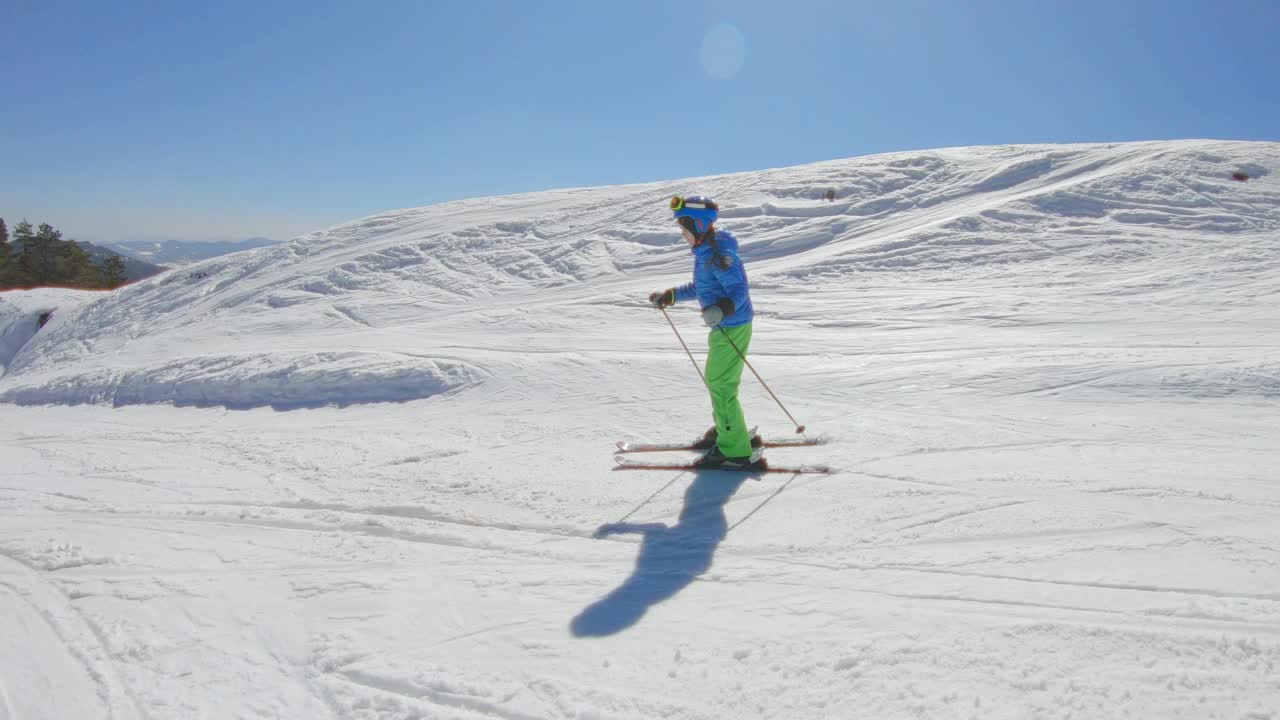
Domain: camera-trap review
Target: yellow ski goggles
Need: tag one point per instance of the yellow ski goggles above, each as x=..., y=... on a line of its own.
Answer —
x=681, y=203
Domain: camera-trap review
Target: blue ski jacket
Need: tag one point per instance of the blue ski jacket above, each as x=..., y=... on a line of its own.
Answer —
x=715, y=281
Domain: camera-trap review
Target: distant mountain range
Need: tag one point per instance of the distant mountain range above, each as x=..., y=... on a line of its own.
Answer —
x=134, y=269
x=176, y=253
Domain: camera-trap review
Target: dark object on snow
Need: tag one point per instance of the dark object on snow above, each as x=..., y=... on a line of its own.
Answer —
x=1239, y=176
x=44, y=317
x=831, y=196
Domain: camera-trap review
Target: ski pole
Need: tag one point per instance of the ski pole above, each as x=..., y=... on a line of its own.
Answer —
x=799, y=427
x=686, y=347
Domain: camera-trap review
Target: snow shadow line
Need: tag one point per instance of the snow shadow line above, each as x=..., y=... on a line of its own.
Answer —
x=670, y=557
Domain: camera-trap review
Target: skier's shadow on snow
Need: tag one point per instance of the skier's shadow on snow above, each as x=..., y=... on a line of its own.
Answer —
x=670, y=557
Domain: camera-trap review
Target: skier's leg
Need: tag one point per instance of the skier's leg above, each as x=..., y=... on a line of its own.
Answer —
x=724, y=374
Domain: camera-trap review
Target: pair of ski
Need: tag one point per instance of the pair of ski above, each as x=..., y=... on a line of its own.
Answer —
x=627, y=463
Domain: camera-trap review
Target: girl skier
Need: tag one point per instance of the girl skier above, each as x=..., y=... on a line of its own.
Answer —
x=720, y=287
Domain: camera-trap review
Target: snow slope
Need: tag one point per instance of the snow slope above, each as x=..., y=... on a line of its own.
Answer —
x=21, y=310
x=367, y=473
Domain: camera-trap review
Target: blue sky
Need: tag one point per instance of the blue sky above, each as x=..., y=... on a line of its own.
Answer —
x=232, y=119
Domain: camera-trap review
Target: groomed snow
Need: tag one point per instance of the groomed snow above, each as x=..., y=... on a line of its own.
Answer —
x=367, y=473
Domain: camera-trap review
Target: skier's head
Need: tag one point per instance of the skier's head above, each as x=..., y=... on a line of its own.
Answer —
x=695, y=213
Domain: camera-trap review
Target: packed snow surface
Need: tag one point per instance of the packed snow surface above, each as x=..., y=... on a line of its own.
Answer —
x=368, y=473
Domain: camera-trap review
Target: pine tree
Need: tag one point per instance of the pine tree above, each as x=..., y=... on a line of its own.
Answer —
x=41, y=257
x=21, y=273
x=113, y=274
x=82, y=271
x=73, y=266
x=47, y=249
x=6, y=254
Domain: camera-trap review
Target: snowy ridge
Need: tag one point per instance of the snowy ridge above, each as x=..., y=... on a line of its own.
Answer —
x=281, y=380
x=1128, y=218
x=20, y=313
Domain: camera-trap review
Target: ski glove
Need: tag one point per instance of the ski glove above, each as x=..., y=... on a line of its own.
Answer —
x=713, y=314
x=664, y=298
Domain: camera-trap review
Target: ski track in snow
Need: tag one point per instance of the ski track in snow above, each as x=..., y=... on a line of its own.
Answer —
x=367, y=474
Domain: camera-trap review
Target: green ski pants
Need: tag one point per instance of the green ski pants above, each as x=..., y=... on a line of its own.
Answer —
x=724, y=373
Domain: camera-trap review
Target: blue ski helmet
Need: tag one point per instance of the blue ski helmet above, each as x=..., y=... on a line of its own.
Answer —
x=701, y=211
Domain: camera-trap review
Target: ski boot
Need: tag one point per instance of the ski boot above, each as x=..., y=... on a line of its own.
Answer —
x=716, y=460
x=709, y=438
